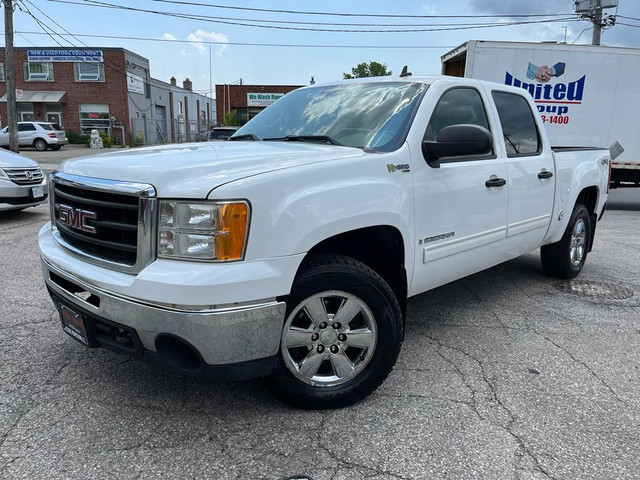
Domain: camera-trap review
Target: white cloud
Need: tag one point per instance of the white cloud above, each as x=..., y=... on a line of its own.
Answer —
x=197, y=38
x=429, y=9
x=168, y=36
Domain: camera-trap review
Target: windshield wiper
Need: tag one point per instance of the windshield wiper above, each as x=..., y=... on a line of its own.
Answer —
x=245, y=136
x=307, y=138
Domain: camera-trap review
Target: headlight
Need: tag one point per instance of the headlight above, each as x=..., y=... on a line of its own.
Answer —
x=203, y=231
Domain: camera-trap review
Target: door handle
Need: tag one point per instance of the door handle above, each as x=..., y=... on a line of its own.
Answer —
x=495, y=181
x=545, y=174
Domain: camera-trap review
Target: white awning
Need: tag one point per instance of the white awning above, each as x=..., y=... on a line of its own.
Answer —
x=34, y=96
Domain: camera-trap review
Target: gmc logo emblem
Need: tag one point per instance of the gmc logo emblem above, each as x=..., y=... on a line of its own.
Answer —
x=76, y=218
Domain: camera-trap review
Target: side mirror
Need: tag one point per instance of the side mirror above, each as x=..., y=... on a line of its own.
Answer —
x=457, y=141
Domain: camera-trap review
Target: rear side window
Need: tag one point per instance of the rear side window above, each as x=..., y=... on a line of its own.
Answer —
x=457, y=106
x=46, y=126
x=26, y=127
x=521, y=136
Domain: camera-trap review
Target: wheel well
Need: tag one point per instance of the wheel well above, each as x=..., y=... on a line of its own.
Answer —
x=589, y=198
x=381, y=248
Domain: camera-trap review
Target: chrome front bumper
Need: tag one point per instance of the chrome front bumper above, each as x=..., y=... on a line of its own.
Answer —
x=222, y=336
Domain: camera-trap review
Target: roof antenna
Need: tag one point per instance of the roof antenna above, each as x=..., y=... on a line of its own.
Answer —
x=405, y=72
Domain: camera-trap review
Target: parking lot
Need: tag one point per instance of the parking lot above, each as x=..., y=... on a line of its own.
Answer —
x=507, y=374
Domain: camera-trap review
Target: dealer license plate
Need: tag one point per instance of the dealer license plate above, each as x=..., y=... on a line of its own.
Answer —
x=73, y=324
x=37, y=192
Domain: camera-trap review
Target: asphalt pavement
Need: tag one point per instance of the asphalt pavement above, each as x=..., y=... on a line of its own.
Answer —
x=507, y=374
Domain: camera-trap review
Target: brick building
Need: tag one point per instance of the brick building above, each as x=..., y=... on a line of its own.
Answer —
x=108, y=89
x=247, y=100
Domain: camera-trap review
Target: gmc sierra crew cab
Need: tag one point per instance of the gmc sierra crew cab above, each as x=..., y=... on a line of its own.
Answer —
x=289, y=251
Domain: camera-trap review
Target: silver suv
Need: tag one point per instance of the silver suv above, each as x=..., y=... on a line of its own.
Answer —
x=22, y=182
x=39, y=135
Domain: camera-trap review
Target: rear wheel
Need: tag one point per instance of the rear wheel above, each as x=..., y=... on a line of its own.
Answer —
x=39, y=144
x=342, y=335
x=565, y=258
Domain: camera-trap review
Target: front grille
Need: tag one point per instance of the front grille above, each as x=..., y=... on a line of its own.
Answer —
x=24, y=175
x=108, y=222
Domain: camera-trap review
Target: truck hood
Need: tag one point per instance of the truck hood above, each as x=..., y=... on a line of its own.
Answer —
x=193, y=170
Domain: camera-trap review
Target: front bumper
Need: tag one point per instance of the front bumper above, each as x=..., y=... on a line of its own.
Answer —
x=228, y=343
x=14, y=196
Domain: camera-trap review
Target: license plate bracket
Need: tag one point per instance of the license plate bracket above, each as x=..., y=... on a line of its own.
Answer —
x=73, y=323
x=37, y=192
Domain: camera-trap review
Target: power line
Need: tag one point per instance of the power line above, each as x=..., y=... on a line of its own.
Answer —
x=629, y=18
x=242, y=22
x=108, y=64
x=338, y=14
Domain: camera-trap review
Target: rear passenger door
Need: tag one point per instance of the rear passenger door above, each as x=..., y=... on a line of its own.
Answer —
x=26, y=133
x=461, y=206
x=530, y=173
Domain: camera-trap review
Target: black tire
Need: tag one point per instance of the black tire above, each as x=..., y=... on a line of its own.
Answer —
x=565, y=258
x=352, y=359
x=40, y=144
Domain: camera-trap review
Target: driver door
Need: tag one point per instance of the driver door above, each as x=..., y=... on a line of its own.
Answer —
x=461, y=206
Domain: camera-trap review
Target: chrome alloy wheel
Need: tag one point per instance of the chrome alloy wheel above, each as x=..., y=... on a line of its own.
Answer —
x=577, y=246
x=329, y=338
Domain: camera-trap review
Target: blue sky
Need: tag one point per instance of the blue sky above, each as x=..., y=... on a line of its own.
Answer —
x=325, y=55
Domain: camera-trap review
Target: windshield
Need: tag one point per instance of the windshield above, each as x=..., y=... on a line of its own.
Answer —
x=373, y=116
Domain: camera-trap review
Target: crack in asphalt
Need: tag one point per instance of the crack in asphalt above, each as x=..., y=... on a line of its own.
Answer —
x=587, y=367
x=347, y=464
x=509, y=427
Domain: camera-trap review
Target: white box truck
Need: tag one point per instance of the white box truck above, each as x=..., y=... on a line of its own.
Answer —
x=586, y=94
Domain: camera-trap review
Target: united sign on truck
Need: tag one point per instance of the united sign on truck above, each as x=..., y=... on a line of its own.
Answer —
x=586, y=95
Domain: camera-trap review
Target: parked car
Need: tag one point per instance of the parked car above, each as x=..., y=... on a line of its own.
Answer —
x=221, y=133
x=22, y=183
x=290, y=252
x=39, y=135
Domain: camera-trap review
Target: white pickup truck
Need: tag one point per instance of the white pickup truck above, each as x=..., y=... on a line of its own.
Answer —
x=290, y=251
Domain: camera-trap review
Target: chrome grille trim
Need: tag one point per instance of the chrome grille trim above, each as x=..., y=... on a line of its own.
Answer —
x=137, y=198
x=24, y=175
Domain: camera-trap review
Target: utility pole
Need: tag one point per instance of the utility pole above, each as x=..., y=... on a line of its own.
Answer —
x=597, y=23
x=11, y=77
x=592, y=10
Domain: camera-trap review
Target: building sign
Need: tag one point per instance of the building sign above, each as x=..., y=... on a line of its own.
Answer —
x=135, y=83
x=19, y=94
x=64, y=56
x=262, y=99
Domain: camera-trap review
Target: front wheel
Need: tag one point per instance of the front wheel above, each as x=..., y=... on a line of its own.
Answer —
x=39, y=144
x=565, y=258
x=342, y=335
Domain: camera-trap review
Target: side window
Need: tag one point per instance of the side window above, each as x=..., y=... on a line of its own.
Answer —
x=521, y=136
x=26, y=127
x=457, y=106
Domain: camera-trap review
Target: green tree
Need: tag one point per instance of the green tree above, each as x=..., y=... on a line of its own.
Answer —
x=371, y=69
x=231, y=118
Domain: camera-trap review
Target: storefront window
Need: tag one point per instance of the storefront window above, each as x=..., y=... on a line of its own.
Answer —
x=53, y=113
x=25, y=112
x=94, y=116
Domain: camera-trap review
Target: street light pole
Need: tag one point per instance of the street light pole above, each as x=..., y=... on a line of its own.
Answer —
x=11, y=77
